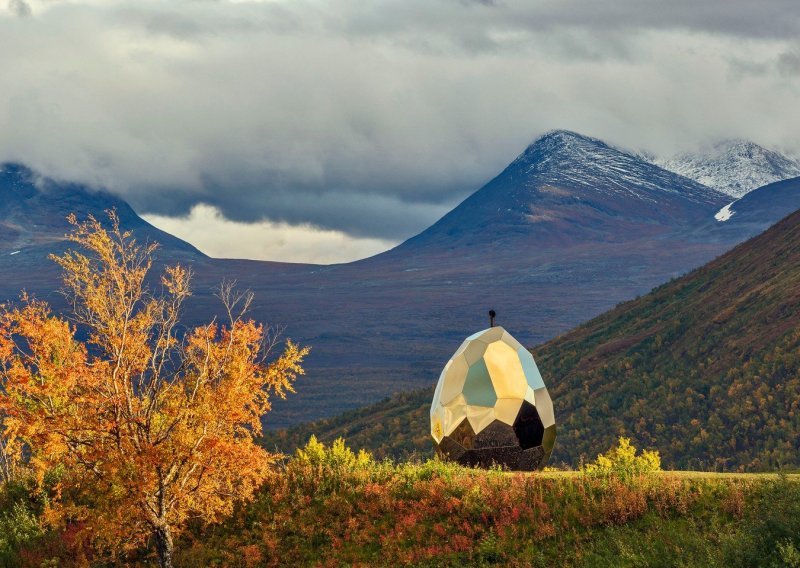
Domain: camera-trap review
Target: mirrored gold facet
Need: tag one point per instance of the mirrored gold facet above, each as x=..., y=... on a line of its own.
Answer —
x=505, y=370
x=490, y=335
x=508, y=338
x=532, y=374
x=544, y=406
x=474, y=352
x=462, y=347
x=530, y=396
x=507, y=409
x=437, y=424
x=454, y=414
x=480, y=417
x=478, y=388
x=452, y=379
x=437, y=393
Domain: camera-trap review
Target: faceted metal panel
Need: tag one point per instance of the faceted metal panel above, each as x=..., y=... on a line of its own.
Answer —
x=474, y=351
x=529, y=396
x=548, y=441
x=454, y=413
x=478, y=388
x=480, y=416
x=531, y=370
x=509, y=339
x=491, y=406
x=511, y=457
x=464, y=435
x=490, y=335
x=496, y=435
x=437, y=393
x=505, y=370
x=453, y=379
x=506, y=409
x=437, y=423
x=545, y=406
x=451, y=449
x=462, y=347
x=531, y=458
x=528, y=426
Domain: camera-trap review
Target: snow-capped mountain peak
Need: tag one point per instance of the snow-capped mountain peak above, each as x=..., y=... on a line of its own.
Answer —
x=734, y=167
x=563, y=157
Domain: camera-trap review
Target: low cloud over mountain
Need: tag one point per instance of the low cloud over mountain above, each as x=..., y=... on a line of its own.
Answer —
x=370, y=121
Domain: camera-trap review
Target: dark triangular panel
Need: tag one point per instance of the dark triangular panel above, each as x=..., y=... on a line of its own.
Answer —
x=548, y=442
x=528, y=426
x=450, y=449
x=495, y=435
x=464, y=435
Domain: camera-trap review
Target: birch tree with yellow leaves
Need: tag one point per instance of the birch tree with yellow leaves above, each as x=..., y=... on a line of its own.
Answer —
x=149, y=425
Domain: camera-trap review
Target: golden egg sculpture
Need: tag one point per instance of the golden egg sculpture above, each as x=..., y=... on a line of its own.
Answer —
x=491, y=406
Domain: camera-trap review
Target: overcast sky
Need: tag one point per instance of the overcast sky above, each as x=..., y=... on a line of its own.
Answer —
x=330, y=130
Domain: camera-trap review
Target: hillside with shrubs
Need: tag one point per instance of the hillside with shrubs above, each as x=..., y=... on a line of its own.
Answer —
x=125, y=443
x=706, y=368
x=330, y=506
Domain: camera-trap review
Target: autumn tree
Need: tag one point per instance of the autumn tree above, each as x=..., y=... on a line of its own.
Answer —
x=150, y=425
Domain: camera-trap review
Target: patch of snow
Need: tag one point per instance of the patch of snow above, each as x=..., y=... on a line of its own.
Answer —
x=725, y=213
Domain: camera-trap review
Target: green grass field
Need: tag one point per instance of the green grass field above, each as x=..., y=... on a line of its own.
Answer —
x=335, y=508
x=328, y=506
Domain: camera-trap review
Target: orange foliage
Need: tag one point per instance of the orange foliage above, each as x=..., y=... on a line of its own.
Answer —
x=150, y=429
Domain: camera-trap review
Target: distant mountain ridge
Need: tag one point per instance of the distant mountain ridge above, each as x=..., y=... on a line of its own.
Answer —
x=34, y=211
x=734, y=167
x=569, y=229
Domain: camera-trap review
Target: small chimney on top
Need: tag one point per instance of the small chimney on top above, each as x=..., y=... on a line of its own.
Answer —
x=492, y=315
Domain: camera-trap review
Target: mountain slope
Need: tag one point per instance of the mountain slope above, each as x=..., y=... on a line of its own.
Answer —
x=567, y=188
x=35, y=209
x=33, y=224
x=751, y=214
x=705, y=368
x=568, y=230
x=734, y=167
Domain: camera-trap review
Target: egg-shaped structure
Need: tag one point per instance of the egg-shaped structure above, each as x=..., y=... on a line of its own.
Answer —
x=491, y=406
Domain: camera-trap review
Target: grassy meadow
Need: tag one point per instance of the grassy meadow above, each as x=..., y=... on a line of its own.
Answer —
x=328, y=506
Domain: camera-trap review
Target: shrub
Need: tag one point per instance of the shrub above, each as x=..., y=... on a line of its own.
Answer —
x=621, y=461
x=18, y=527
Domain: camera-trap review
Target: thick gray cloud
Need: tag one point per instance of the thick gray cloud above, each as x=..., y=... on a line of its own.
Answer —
x=373, y=118
x=19, y=8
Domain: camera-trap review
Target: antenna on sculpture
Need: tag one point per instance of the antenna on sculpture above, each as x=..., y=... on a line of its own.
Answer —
x=492, y=315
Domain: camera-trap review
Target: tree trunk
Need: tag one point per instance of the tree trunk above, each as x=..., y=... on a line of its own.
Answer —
x=164, y=546
x=5, y=463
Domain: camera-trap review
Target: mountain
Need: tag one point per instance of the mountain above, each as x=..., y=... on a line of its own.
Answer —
x=33, y=221
x=33, y=225
x=569, y=229
x=734, y=167
x=753, y=213
x=705, y=368
x=568, y=188
x=35, y=208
